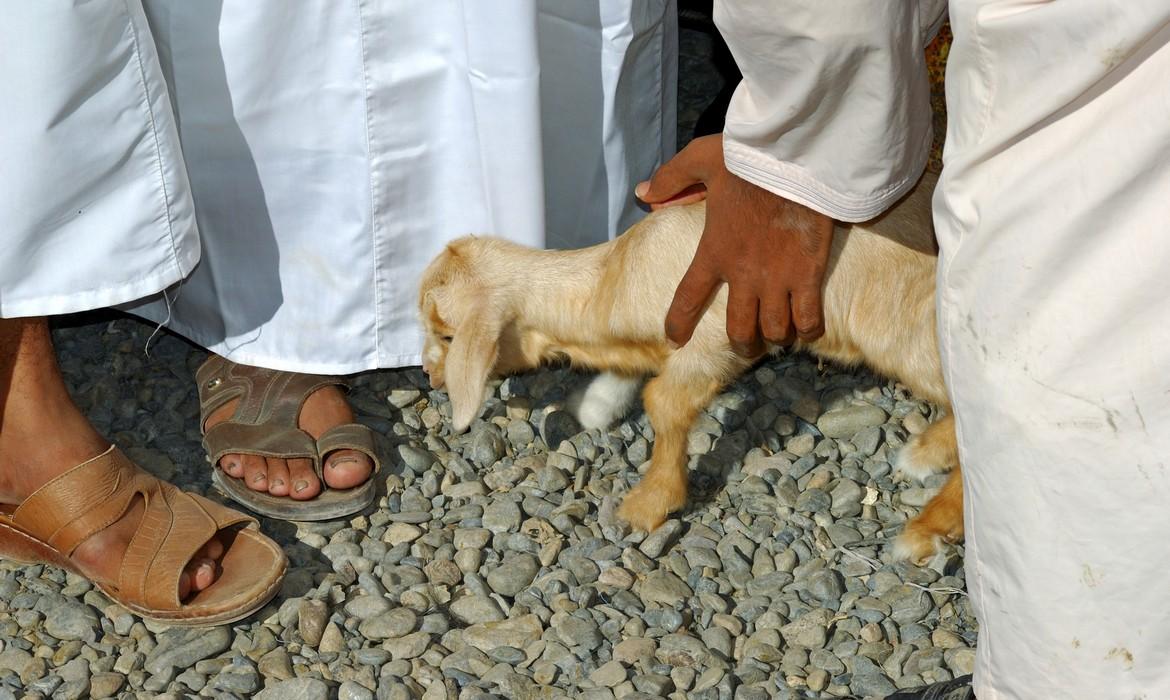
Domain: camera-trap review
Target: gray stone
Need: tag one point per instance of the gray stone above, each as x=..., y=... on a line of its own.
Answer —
x=350, y=690
x=416, y=459
x=394, y=623
x=661, y=539
x=513, y=574
x=872, y=685
x=296, y=689
x=502, y=516
x=474, y=609
x=846, y=499
x=276, y=664
x=364, y=607
x=487, y=447
x=407, y=647
x=809, y=631
x=664, y=588
x=908, y=604
x=847, y=421
x=181, y=648
x=72, y=620
x=105, y=685
x=401, y=398
x=609, y=674
x=242, y=680
x=813, y=501
x=630, y=650
x=312, y=615
x=576, y=631
x=517, y=632
x=557, y=427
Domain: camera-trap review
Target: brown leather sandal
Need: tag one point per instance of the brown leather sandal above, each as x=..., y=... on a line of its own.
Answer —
x=265, y=424
x=49, y=525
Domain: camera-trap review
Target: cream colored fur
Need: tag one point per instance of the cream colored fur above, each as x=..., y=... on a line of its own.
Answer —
x=490, y=307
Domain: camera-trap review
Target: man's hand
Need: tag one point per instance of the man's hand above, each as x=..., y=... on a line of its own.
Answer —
x=771, y=252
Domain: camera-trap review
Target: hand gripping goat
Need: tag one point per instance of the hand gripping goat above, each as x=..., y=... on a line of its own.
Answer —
x=490, y=307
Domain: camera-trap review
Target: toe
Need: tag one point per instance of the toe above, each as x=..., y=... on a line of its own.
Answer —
x=212, y=550
x=345, y=469
x=256, y=473
x=305, y=484
x=232, y=465
x=278, y=484
x=201, y=573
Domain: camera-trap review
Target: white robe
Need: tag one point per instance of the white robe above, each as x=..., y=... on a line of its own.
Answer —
x=1054, y=276
x=328, y=151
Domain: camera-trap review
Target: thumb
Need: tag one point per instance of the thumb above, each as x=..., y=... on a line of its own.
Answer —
x=682, y=175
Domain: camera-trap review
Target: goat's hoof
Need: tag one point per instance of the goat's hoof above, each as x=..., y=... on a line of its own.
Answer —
x=915, y=547
x=646, y=507
x=914, y=462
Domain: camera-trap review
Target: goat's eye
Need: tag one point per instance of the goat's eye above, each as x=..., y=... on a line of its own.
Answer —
x=447, y=338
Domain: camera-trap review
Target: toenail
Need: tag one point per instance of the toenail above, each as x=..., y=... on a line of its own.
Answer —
x=258, y=478
x=278, y=482
x=301, y=486
x=335, y=463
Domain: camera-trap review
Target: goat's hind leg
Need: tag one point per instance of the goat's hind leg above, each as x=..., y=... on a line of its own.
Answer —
x=672, y=401
x=932, y=451
x=940, y=519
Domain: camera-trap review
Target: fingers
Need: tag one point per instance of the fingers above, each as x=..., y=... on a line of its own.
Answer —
x=692, y=166
x=743, y=328
x=690, y=301
x=808, y=315
x=689, y=195
x=775, y=319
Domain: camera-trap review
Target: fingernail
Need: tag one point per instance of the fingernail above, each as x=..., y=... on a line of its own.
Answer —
x=641, y=189
x=300, y=486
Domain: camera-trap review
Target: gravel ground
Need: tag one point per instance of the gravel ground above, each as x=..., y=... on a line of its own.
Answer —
x=493, y=565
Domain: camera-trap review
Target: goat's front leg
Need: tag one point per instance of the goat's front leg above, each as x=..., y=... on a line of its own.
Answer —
x=672, y=401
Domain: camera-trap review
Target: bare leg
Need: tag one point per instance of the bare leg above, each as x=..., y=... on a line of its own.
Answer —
x=42, y=434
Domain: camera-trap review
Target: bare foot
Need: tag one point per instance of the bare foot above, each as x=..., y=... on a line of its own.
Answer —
x=36, y=405
x=324, y=409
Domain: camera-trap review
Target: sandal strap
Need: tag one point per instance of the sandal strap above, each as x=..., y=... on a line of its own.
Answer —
x=174, y=527
x=264, y=440
x=349, y=436
x=267, y=396
x=93, y=495
x=66, y=510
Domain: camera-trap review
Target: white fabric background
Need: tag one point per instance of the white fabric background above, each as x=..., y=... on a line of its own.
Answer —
x=332, y=148
x=1054, y=276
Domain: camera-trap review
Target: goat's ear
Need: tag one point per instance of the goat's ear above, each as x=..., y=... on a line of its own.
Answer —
x=470, y=359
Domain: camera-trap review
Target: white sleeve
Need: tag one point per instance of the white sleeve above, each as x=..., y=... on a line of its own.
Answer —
x=834, y=108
